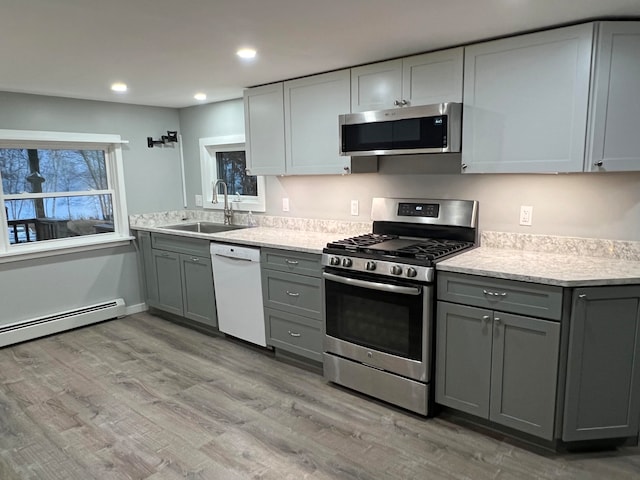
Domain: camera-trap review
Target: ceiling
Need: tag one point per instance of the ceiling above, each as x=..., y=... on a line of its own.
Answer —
x=167, y=50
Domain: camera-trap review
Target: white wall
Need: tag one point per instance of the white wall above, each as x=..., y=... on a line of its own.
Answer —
x=587, y=205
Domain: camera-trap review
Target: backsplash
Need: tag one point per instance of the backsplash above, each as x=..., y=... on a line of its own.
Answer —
x=584, y=247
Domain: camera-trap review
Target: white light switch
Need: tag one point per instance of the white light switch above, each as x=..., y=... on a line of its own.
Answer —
x=198, y=200
x=285, y=204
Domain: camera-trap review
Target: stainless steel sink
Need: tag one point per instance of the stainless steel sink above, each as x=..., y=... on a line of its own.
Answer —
x=203, y=227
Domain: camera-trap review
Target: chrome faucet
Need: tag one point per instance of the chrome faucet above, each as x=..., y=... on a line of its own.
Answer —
x=228, y=213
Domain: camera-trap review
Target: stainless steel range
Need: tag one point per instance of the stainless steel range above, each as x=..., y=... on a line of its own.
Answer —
x=379, y=297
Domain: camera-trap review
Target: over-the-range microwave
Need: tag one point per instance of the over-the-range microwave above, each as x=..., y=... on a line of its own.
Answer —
x=423, y=129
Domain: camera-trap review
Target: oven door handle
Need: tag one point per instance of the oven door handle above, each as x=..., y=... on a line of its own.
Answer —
x=384, y=287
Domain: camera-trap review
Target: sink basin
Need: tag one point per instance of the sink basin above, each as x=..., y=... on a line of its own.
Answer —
x=203, y=227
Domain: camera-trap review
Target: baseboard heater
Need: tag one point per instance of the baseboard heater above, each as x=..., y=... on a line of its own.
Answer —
x=59, y=322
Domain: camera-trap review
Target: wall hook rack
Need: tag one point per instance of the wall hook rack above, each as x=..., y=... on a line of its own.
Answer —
x=170, y=137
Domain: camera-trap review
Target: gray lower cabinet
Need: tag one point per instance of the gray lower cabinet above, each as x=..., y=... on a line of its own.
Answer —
x=498, y=366
x=291, y=292
x=570, y=373
x=602, y=398
x=178, y=276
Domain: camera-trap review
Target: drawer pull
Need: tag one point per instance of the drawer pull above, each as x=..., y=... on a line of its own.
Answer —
x=293, y=294
x=494, y=294
x=582, y=295
x=291, y=262
x=195, y=259
x=294, y=334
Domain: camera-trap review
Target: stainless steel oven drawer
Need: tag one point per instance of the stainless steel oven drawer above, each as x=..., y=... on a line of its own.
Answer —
x=391, y=388
x=299, y=335
x=532, y=299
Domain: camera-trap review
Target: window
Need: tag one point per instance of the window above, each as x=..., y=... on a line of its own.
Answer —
x=60, y=190
x=223, y=158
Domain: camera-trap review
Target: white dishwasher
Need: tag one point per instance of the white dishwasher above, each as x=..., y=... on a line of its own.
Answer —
x=238, y=287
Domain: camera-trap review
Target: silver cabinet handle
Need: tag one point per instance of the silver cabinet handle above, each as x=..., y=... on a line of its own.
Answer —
x=497, y=320
x=598, y=164
x=494, y=294
x=291, y=262
x=294, y=334
x=582, y=295
x=293, y=294
x=195, y=259
x=486, y=318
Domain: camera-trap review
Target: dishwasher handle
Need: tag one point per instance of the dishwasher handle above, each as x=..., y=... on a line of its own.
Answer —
x=240, y=259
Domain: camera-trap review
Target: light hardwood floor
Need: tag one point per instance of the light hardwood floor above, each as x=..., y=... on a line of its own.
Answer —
x=143, y=398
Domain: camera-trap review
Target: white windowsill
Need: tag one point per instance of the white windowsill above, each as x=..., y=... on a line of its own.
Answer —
x=28, y=251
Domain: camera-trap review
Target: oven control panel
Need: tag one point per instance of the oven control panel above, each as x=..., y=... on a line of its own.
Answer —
x=379, y=267
x=430, y=210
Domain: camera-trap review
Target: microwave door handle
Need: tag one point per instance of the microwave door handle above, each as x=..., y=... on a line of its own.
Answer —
x=383, y=287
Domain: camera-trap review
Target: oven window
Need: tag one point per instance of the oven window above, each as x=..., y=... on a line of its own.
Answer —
x=383, y=321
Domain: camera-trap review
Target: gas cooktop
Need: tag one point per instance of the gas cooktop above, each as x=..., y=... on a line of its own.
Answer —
x=409, y=237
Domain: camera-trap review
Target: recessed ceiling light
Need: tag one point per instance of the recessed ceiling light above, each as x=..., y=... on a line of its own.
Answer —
x=246, y=53
x=119, y=87
x=200, y=96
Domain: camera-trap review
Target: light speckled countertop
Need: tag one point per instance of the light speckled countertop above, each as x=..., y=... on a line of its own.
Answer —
x=560, y=269
x=299, y=235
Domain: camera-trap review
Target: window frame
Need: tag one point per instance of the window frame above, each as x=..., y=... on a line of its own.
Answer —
x=111, y=144
x=209, y=146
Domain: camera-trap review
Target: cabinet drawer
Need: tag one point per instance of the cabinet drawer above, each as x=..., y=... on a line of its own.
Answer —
x=293, y=262
x=297, y=294
x=299, y=335
x=176, y=243
x=535, y=300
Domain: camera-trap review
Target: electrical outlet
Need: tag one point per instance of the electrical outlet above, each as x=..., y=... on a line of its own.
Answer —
x=526, y=215
x=285, y=204
x=198, y=200
x=354, y=207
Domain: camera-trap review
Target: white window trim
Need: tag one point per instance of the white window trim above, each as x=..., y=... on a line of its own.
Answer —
x=208, y=148
x=41, y=139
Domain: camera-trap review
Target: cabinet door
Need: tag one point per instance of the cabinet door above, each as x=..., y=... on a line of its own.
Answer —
x=524, y=373
x=197, y=290
x=376, y=87
x=312, y=106
x=433, y=77
x=148, y=267
x=603, y=368
x=167, y=267
x=463, y=358
x=525, y=102
x=264, y=129
x=614, y=143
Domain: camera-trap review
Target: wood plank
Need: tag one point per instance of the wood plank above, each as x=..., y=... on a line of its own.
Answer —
x=144, y=398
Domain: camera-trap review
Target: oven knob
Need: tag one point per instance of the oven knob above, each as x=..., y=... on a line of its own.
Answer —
x=346, y=262
x=396, y=270
x=334, y=261
x=411, y=272
x=371, y=266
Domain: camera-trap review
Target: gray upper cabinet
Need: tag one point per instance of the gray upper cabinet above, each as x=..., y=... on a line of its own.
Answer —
x=614, y=143
x=418, y=80
x=602, y=397
x=312, y=106
x=264, y=129
x=525, y=102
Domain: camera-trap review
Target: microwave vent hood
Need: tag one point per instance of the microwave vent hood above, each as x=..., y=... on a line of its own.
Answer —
x=408, y=130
